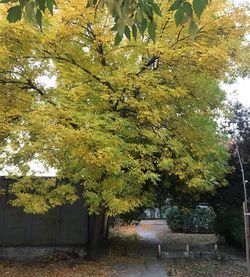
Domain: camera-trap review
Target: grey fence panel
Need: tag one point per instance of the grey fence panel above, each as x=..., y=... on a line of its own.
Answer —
x=73, y=224
x=43, y=229
x=16, y=226
x=62, y=226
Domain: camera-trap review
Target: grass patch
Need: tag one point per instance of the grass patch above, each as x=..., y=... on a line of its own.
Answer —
x=180, y=240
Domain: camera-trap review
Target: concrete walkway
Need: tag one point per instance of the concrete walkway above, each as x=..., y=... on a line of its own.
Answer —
x=150, y=268
x=154, y=268
x=149, y=231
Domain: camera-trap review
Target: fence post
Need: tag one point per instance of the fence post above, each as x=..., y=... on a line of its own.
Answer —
x=246, y=224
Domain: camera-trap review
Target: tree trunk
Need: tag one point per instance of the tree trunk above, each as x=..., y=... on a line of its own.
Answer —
x=106, y=227
x=96, y=225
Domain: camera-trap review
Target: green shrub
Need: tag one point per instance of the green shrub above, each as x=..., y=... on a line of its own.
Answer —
x=174, y=219
x=197, y=220
x=229, y=224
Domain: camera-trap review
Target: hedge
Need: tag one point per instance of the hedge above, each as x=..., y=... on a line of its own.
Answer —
x=197, y=220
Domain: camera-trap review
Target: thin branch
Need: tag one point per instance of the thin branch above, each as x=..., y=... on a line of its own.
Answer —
x=242, y=170
x=73, y=61
x=147, y=65
x=164, y=27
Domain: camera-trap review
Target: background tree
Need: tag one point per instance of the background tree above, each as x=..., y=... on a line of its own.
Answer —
x=238, y=128
x=227, y=201
x=119, y=120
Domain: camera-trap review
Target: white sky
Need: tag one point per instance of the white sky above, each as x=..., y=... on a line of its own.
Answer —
x=239, y=91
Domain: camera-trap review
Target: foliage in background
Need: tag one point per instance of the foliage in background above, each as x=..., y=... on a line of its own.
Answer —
x=196, y=220
x=125, y=122
x=227, y=201
x=238, y=129
x=229, y=224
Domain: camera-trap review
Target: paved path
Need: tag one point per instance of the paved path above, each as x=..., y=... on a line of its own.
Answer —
x=150, y=268
x=148, y=230
x=154, y=268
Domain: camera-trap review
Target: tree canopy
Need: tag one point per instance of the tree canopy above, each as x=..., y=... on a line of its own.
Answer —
x=121, y=121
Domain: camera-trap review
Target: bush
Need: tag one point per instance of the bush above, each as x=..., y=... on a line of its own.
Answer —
x=197, y=220
x=229, y=224
x=174, y=219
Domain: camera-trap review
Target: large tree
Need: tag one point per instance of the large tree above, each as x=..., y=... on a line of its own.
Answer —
x=119, y=120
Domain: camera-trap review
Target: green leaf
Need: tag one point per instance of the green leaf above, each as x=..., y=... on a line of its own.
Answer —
x=151, y=30
x=138, y=16
x=120, y=27
x=118, y=39
x=143, y=26
x=50, y=5
x=125, y=6
x=39, y=17
x=192, y=29
x=127, y=32
x=114, y=28
x=41, y=5
x=179, y=16
x=199, y=6
x=175, y=5
x=134, y=31
x=148, y=11
x=22, y=3
x=188, y=9
x=14, y=14
x=156, y=9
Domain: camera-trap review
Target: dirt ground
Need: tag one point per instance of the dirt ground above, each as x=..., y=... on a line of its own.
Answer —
x=55, y=269
x=108, y=267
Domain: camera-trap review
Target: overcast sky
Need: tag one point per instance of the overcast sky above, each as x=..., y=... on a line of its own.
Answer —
x=239, y=91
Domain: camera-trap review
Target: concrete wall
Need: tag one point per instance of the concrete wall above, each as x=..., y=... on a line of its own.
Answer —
x=63, y=226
